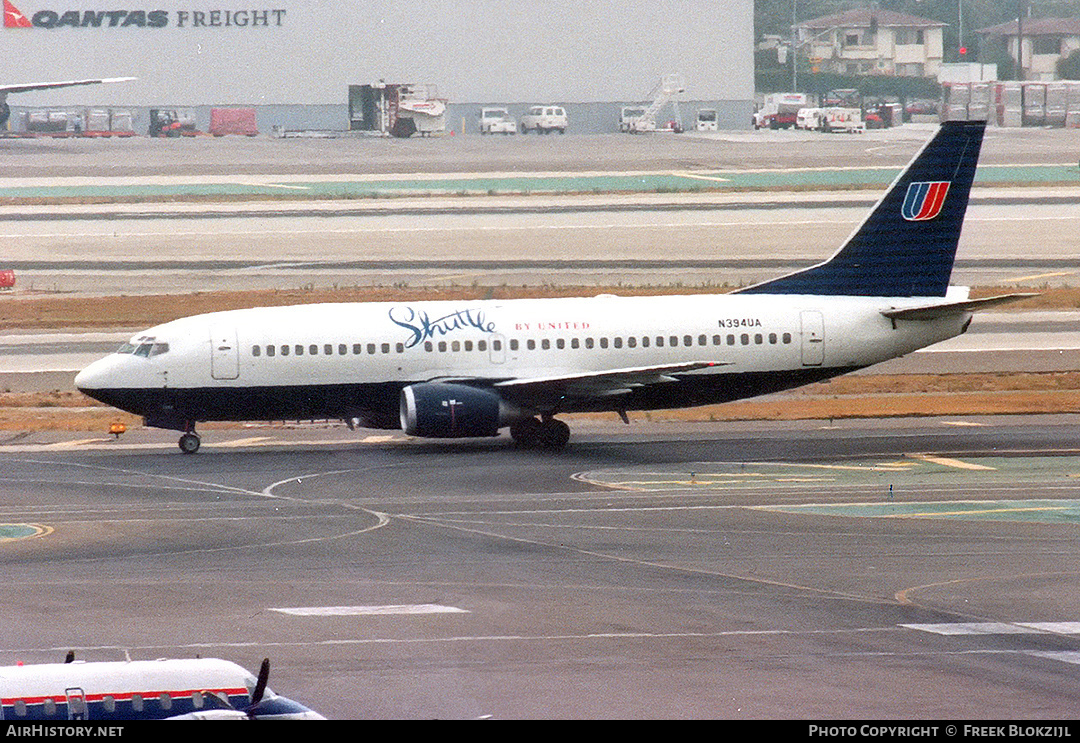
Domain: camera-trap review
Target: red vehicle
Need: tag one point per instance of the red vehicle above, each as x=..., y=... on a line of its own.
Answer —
x=779, y=111
x=7, y=278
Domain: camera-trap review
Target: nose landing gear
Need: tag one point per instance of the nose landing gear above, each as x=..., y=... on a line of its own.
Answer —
x=189, y=442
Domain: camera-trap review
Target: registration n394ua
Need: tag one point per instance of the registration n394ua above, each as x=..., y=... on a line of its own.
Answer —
x=464, y=369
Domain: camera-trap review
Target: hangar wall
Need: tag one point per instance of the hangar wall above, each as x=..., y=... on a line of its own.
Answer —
x=307, y=53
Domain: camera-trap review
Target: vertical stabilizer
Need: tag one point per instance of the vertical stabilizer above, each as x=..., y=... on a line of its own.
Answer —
x=907, y=245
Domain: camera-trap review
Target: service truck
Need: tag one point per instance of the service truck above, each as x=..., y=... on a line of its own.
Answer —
x=779, y=110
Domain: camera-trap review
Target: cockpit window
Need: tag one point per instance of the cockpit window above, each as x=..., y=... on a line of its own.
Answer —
x=145, y=346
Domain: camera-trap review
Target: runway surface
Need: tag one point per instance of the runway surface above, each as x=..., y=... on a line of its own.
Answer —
x=916, y=569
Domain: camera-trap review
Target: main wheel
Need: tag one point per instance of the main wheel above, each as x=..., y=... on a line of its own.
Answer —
x=189, y=443
x=526, y=432
x=554, y=434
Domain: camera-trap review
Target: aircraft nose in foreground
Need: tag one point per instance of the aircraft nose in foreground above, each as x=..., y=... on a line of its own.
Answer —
x=97, y=376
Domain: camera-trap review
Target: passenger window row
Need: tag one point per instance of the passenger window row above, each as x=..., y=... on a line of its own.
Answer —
x=544, y=344
x=78, y=706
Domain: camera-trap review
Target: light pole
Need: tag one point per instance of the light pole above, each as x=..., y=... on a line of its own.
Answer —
x=794, y=49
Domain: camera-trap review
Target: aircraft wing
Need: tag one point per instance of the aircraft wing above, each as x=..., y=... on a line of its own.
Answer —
x=933, y=311
x=24, y=87
x=597, y=384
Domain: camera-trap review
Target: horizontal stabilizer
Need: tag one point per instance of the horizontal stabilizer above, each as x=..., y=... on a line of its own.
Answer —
x=934, y=311
x=26, y=87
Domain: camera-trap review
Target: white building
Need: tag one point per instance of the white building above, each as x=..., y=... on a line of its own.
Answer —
x=1046, y=40
x=871, y=41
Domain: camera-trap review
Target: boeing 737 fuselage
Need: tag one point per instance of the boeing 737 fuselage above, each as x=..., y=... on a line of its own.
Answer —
x=463, y=369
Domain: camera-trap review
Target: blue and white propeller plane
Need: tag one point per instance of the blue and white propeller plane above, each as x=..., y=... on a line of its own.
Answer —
x=463, y=369
x=194, y=689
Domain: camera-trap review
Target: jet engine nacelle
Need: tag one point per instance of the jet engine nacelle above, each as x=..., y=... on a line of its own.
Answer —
x=450, y=411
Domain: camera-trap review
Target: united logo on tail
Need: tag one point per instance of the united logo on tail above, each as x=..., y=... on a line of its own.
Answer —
x=924, y=200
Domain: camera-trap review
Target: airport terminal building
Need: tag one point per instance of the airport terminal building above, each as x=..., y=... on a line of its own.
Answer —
x=294, y=62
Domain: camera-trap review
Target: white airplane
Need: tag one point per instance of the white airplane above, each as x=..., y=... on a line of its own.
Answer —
x=5, y=111
x=462, y=369
x=196, y=689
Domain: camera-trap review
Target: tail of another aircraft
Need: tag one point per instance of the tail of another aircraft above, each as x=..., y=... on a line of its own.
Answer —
x=907, y=245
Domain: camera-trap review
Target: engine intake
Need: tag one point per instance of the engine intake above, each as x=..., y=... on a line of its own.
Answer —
x=450, y=411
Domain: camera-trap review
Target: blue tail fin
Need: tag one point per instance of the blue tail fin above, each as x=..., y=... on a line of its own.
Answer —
x=906, y=247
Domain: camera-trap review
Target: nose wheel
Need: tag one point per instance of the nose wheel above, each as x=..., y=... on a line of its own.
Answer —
x=189, y=443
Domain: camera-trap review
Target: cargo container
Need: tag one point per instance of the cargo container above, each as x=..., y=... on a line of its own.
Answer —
x=1034, y=104
x=233, y=121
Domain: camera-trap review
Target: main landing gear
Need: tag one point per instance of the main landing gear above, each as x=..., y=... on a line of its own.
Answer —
x=189, y=442
x=547, y=433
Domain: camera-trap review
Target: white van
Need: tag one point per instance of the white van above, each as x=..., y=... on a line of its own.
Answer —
x=543, y=119
x=497, y=121
x=708, y=120
x=809, y=118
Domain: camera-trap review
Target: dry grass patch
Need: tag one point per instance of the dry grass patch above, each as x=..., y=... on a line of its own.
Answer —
x=50, y=312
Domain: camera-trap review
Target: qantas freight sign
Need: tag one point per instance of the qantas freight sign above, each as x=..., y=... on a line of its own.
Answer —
x=49, y=18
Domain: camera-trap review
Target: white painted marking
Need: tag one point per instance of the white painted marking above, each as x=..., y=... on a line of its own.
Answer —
x=1065, y=656
x=243, y=442
x=348, y=611
x=1058, y=628
x=973, y=628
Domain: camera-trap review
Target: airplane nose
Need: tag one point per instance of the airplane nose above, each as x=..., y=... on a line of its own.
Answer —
x=89, y=378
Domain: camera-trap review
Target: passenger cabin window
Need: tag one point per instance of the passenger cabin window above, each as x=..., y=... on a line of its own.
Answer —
x=256, y=351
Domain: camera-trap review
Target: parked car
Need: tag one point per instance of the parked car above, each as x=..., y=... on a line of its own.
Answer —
x=497, y=121
x=544, y=119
